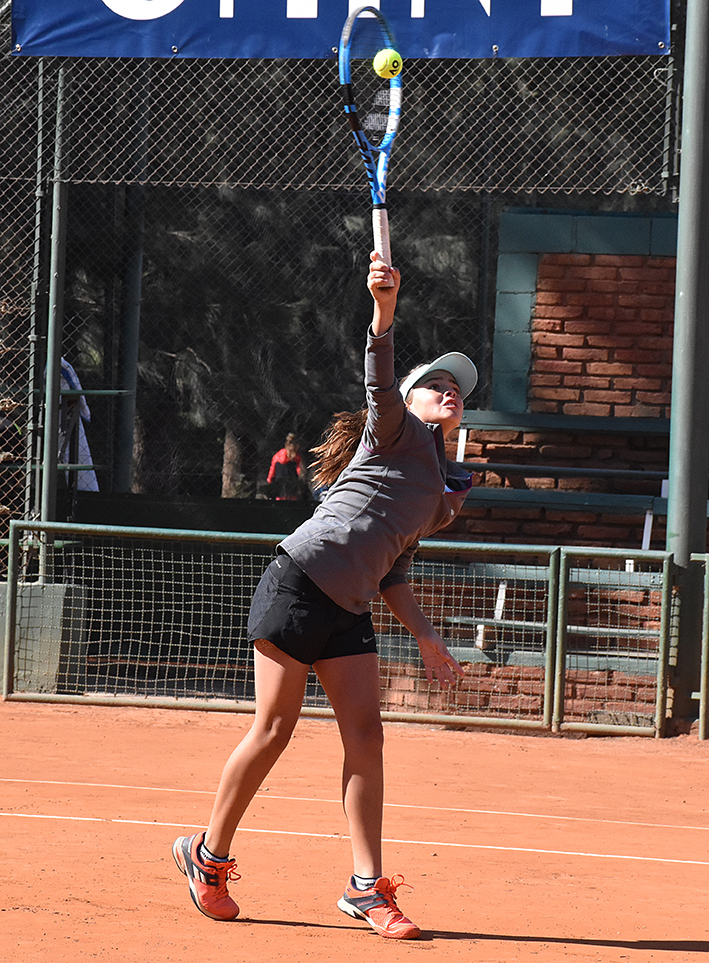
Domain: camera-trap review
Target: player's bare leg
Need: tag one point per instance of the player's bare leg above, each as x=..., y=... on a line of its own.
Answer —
x=352, y=686
x=204, y=857
x=280, y=687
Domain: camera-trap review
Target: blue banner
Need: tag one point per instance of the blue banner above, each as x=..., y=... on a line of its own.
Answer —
x=236, y=29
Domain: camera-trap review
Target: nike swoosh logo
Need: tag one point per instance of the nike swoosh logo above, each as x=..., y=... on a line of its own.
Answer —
x=367, y=641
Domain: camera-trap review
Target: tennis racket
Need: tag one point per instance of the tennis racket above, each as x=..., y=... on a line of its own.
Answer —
x=372, y=106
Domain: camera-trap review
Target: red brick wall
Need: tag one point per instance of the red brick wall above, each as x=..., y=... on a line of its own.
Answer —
x=517, y=692
x=602, y=335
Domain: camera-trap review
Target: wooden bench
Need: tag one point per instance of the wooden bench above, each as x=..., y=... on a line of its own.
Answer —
x=539, y=421
x=565, y=500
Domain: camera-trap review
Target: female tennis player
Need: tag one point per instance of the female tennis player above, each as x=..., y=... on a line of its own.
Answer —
x=390, y=485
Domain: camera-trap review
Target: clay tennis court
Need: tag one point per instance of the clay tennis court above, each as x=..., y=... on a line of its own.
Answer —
x=519, y=848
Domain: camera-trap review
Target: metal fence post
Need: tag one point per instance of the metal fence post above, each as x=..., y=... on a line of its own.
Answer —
x=552, y=616
x=11, y=611
x=664, y=646
x=560, y=666
x=704, y=673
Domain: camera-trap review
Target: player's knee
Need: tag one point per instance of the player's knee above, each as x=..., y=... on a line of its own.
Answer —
x=366, y=739
x=275, y=736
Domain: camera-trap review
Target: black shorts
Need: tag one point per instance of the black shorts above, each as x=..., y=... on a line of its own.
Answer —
x=291, y=612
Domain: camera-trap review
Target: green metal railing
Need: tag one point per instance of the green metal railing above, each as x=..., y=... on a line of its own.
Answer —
x=552, y=638
x=630, y=579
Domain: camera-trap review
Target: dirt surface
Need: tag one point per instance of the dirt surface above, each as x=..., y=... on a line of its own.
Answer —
x=519, y=848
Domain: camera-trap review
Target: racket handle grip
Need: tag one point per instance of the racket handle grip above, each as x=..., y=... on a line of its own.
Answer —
x=380, y=230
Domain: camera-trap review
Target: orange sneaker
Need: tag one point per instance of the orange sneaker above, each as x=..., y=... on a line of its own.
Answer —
x=207, y=878
x=378, y=907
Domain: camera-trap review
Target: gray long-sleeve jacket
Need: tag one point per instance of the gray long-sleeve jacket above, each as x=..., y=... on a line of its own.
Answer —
x=398, y=488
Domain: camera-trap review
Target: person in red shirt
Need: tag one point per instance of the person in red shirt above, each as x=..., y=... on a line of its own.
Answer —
x=286, y=471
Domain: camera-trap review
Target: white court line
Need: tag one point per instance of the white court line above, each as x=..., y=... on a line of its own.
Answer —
x=404, y=842
x=265, y=794
x=108, y=785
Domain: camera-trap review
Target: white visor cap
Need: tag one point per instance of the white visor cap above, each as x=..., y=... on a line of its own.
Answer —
x=455, y=363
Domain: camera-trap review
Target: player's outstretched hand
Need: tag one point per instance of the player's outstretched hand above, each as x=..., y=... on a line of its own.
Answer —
x=438, y=663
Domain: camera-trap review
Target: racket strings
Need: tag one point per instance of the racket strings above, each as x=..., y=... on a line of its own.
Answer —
x=377, y=119
x=370, y=92
x=367, y=39
x=372, y=99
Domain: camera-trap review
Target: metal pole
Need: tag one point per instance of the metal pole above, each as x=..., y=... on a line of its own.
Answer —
x=56, y=314
x=689, y=436
x=54, y=329
x=129, y=338
x=131, y=293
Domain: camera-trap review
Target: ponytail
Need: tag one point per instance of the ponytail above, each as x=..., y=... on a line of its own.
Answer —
x=340, y=442
x=338, y=447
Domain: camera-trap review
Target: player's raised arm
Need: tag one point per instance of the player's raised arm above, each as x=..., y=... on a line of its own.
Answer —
x=383, y=282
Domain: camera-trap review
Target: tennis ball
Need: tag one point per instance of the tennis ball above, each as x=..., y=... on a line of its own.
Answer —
x=387, y=63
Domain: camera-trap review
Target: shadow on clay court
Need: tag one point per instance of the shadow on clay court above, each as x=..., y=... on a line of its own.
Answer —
x=670, y=946
x=300, y=924
x=428, y=936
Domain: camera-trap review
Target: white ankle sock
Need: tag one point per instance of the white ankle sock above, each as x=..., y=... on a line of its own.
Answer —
x=364, y=882
x=205, y=854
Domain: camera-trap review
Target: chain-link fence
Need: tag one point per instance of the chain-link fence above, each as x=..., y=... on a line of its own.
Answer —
x=218, y=229
x=549, y=638
x=20, y=187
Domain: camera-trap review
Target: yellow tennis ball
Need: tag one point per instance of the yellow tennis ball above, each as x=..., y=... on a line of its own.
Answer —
x=387, y=63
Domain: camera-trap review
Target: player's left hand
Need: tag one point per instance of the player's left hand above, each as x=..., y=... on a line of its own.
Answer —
x=438, y=662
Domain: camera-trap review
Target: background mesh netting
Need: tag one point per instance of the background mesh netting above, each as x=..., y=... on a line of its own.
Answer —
x=234, y=193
